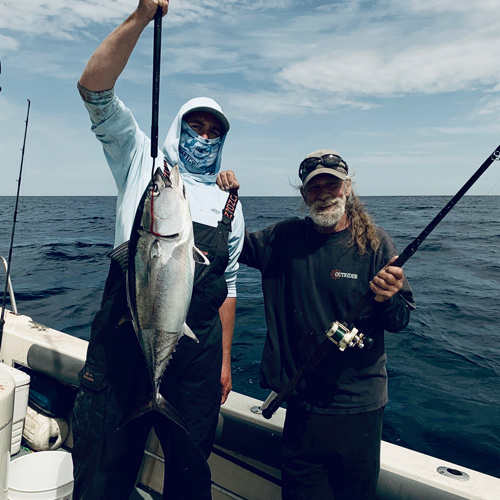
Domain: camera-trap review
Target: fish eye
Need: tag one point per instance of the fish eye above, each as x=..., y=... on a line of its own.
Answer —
x=155, y=190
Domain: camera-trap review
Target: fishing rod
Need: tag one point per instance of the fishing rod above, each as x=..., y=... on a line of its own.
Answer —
x=343, y=333
x=156, y=85
x=155, y=106
x=9, y=259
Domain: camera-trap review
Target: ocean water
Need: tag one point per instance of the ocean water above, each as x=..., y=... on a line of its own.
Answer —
x=444, y=368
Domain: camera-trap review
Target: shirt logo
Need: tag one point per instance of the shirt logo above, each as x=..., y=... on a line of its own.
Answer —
x=337, y=274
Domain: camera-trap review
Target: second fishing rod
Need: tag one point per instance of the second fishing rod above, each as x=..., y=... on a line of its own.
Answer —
x=11, y=246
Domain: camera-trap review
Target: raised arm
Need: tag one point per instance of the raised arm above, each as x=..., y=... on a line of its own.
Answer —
x=109, y=60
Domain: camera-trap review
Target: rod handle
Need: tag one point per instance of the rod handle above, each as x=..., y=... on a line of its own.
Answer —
x=271, y=408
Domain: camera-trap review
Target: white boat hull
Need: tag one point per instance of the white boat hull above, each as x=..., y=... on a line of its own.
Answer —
x=246, y=453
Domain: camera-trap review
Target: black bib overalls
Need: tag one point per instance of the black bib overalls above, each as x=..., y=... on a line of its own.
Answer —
x=115, y=381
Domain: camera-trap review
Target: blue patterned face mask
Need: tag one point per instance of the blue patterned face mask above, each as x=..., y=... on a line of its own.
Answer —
x=197, y=154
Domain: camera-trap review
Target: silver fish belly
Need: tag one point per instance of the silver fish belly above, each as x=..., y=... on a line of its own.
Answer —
x=161, y=271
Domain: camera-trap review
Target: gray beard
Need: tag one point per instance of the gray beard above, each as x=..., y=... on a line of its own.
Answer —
x=329, y=217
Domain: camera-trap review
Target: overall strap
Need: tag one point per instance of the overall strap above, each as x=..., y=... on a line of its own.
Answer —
x=229, y=209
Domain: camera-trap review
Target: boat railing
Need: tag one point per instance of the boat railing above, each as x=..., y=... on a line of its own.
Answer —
x=9, y=285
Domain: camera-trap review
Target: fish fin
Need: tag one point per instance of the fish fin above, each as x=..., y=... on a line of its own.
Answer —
x=120, y=255
x=157, y=404
x=189, y=333
x=200, y=257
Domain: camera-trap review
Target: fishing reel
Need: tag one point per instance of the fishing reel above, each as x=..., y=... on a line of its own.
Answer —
x=342, y=337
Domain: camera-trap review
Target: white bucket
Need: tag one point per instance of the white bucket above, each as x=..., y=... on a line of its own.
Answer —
x=46, y=475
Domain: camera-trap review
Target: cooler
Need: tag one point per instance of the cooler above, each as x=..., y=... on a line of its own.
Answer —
x=22, y=382
x=7, y=389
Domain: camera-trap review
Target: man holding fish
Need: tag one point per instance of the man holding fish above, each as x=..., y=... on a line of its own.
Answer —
x=148, y=318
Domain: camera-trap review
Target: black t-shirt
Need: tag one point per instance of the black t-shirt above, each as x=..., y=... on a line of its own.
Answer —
x=310, y=280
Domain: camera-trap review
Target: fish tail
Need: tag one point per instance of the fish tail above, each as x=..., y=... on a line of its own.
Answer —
x=163, y=407
x=159, y=405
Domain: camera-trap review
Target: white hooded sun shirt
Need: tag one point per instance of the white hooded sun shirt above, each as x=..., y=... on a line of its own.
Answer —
x=128, y=152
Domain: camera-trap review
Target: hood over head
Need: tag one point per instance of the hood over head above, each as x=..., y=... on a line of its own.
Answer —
x=171, y=144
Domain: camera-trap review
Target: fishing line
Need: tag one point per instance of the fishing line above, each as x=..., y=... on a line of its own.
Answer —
x=9, y=259
x=494, y=186
x=342, y=333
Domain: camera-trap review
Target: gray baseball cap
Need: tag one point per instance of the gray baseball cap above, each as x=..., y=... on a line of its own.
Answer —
x=323, y=161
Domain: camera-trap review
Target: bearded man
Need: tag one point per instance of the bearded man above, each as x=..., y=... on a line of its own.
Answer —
x=314, y=270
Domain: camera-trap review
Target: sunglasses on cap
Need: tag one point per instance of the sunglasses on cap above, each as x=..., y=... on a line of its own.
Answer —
x=328, y=161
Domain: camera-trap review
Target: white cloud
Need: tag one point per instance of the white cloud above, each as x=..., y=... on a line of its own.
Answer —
x=442, y=6
x=427, y=69
x=45, y=64
x=490, y=106
x=340, y=49
x=395, y=48
x=59, y=19
x=8, y=43
x=205, y=59
x=264, y=106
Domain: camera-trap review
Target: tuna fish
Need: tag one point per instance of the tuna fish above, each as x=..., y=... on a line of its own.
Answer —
x=160, y=261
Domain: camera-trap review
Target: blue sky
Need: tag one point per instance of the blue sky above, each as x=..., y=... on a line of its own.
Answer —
x=408, y=91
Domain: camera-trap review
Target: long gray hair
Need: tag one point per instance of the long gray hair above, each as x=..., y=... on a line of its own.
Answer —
x=361, y=225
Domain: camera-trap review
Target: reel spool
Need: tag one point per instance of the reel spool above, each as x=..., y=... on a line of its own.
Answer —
x=342, y=337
